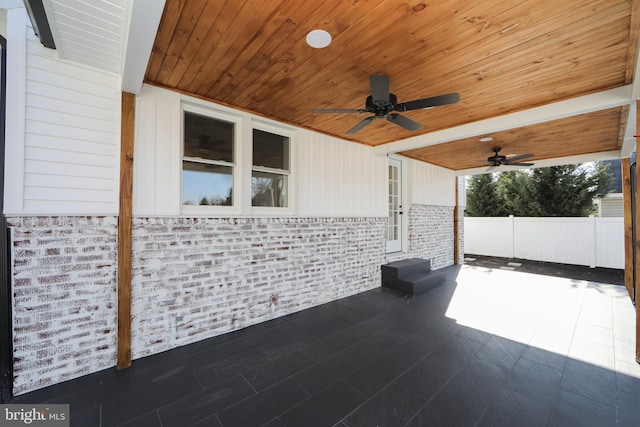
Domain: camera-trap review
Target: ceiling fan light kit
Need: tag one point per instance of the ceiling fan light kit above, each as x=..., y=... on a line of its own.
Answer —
x=383, y=104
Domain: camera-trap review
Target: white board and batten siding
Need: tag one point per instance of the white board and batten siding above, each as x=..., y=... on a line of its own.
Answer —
x=432, y=185
x=157, y=163
x=332, y=177
x=595, y=242
x=339, y=178
x=64, y=133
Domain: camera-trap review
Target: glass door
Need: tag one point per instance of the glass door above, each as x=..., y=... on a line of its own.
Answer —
x=394, y=226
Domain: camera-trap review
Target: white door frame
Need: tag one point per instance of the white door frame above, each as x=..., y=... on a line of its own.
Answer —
x=395, y=224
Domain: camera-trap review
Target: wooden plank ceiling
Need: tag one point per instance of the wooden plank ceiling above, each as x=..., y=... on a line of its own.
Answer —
x=501, y=56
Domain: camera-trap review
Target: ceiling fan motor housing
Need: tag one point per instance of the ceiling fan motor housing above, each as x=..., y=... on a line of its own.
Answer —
x=381, y=109
x=381, y=103
x=497, y=160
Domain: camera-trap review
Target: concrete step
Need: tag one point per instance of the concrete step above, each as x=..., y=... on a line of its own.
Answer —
x=421, y=282
x=397, y=270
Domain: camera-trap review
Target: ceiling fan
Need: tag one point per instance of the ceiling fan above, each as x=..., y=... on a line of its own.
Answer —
x=498, y=160
x=382, y=104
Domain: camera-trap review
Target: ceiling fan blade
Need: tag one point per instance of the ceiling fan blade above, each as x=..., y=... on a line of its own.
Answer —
x=379, y=89
x=360, y=125
x=435, y=101
x=490, y=168
x=337, y=110
x=403, y=122
x=521, y=157
x=517, y=164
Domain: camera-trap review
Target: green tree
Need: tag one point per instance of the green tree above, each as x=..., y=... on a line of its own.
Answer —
x=482, y=195
x=567, y=190
x=514, y=193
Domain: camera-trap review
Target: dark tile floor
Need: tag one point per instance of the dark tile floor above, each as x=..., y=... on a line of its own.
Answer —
x=488, y=348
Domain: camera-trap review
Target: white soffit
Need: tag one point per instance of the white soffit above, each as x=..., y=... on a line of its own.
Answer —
x=88, y=32
x=112, y=35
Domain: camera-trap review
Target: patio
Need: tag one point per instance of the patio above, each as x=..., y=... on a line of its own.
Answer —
x=488, y=348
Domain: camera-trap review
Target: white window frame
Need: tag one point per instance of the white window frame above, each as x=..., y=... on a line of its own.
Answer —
x=291, y=188
x=244, y=124
x=216, y=114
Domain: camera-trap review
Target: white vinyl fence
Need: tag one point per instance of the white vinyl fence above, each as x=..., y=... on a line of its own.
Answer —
x=596, y=242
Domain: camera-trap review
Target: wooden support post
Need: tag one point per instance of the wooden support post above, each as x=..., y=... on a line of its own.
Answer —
x=456, y=231
x=628, y=226
x=124, y=230
x=636, y=238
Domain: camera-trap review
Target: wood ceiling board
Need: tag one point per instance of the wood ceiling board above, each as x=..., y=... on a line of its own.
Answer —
x=576, y=135
x=283, y=54
x=168, y=21
x=501, y=56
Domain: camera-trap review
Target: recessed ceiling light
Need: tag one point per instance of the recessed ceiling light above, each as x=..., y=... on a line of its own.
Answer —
x=318, y=39
x=486, y=139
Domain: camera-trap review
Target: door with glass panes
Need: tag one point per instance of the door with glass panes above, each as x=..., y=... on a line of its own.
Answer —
x=394, y=226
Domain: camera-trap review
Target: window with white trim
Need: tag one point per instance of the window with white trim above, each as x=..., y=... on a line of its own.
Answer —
x=233, y=164
x=208, y=163
x=270, y=170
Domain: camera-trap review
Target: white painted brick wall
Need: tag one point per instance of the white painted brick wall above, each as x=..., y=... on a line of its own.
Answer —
x=194, y=278
x=65, y=302
x=431, y=234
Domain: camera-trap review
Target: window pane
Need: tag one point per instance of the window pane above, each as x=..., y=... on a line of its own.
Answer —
x=268, y=189
x=204, y=184
x=208, y=138
x=270, y=150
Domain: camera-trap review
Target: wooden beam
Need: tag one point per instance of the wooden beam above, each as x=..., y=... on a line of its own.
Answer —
x=628, y=226
x=636, y=268
x=456, y=225
x=124, y=230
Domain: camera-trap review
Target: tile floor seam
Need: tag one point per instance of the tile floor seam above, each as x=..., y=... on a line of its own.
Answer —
x=428, y=400
x=327, y=385
x=254, y=394
x=564, y=367
x=367, y=399
x=502, y=385
x=311, y=396
x=250, y=385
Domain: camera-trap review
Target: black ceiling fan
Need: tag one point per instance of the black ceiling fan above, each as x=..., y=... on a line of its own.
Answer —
x=498, y=160
x=382, y=104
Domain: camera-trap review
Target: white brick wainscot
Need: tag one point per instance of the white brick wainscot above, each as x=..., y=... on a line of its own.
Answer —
x=64, y=305
x=195, y=278
x=431, y=233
